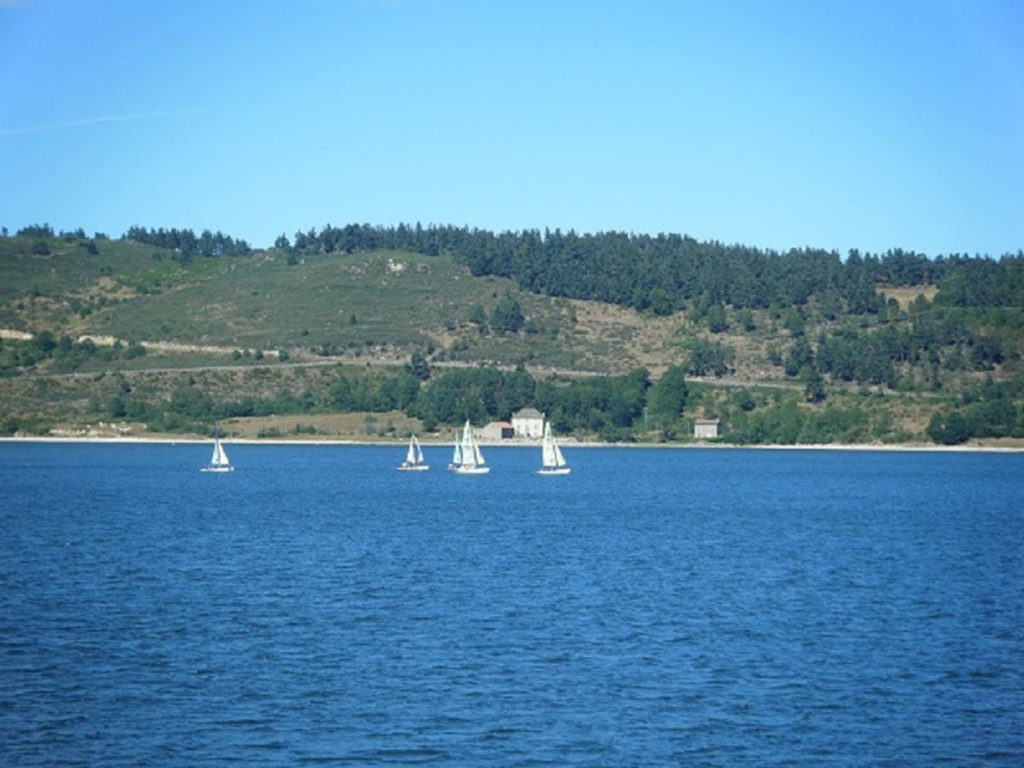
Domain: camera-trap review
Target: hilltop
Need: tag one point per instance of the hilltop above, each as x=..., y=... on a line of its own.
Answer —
x=174, y=333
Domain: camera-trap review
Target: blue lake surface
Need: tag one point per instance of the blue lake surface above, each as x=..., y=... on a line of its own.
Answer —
x=655, y=607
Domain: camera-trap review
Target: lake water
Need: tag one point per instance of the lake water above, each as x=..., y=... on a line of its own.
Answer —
x=655, y=607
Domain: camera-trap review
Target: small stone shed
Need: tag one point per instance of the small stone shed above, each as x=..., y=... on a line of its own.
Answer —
x=704, y=429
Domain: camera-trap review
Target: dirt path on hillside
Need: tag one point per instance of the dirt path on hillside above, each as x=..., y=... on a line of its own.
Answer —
x=178, y=347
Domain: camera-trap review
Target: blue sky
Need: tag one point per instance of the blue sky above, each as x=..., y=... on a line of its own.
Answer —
x=873, y=124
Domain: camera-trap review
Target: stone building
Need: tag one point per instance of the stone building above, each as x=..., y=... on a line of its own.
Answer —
x=705, y=429
x=528, y=422
x=495, y=431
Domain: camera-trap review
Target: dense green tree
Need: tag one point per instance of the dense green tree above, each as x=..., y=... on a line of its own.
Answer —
x=397, y=393
x=831, y=304
x=716, y=319
x=992, y=418
x=814, y=386
x=658, y=301
x=185, y=243
x=340, y=395
x=191, y=402
x=507, y=316
x=746, y=320
x=708, y=358
x=459, y=394
x=419, y=366
x=116, y=408
x=781, y=424
x=668, y=396
x=948, y=428
x=794, y=321
x=517, y=391
x=45, y=342
x=477, y=316
x=800, y=356
x=44, y=231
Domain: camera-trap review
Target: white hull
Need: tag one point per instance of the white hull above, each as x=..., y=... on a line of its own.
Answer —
x=554, y=471
x=471, y=470
x=217, y=469
x=414, y=468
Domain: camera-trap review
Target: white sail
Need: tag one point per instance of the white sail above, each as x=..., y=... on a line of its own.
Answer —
x=468, y=459
x=547, y=448
x=559, y=459
x=456, y=453
x=414, y=456
x=552, y=461
x=470, y=453
x=219, y=460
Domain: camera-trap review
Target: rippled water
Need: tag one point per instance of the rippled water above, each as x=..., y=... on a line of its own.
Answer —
x=656, y=607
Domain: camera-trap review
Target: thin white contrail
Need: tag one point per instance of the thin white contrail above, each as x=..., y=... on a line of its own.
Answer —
x=96, y=120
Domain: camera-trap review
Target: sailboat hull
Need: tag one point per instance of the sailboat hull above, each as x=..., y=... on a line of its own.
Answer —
x=464, y=470
x=217, y=469
x=414, y=468
x=554, y=471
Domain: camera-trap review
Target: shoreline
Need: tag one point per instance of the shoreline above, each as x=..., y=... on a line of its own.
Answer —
x=568, y=445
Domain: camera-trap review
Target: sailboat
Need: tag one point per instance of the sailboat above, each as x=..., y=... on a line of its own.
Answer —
x=467, y=459
x=414, y=458
x=552, y=461
x=219, y=461
x=456, y=452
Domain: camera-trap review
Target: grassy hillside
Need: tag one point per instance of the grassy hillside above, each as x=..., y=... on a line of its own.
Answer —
x=384, y=303
x=337, y=305
x=272, y=321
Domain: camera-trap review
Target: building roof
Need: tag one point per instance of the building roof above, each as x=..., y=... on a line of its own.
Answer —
x=527, y=413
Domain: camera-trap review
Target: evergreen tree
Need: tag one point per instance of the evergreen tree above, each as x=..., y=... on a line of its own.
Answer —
x=668, y=396
x=507, y=316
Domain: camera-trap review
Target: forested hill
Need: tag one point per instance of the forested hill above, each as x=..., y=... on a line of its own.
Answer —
x=875, y=346
x=664, y=273
x=660, y=273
